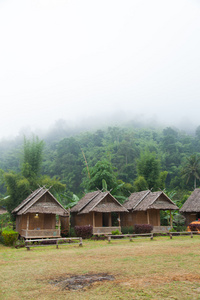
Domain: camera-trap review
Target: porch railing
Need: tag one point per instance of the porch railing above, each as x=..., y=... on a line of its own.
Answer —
x=41, y=233
x=164, y=229
x=105, y=230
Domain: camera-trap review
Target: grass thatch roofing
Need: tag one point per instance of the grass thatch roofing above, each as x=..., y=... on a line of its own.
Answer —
x=192, y=204
x=32, y=204
x=98, y=202
x=141, y=201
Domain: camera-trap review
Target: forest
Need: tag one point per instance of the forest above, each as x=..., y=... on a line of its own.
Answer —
x=120, y=159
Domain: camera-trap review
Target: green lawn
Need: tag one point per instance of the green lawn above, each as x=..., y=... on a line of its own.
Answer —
x=143, y=269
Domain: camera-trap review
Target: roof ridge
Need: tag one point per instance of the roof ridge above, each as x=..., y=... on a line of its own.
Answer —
x=35, y=200
x=98, y=192
x=28, y=199
x=102, y=196
x=141, y=200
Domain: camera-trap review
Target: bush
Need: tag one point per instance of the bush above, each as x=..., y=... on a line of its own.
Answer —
x=143, y=228
x=1, y=237
x=115, y=232
x=9, y=237
x=72, y=232
x=127, y=230
x=84, y=231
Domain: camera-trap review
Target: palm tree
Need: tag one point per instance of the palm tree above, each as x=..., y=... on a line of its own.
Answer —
x=192, y=168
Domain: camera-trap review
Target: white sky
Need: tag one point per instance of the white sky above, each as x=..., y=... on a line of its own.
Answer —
x=76, y=59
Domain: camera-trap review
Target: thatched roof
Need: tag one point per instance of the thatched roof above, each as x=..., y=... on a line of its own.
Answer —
x=98, y=202
x=142, y=201
x=2, y=210
x=40, y=201
x=192, y=204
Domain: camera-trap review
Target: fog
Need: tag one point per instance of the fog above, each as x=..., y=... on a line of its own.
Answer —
x=95, y=62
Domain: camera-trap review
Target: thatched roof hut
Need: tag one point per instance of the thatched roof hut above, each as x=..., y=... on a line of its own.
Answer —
x=144, y=208
x=142, y=201
x=36, y=215
x=192, y=204
x=191, y=207
x=96, y=209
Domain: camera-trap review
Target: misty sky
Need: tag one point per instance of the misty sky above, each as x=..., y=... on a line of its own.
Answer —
x=83, y=59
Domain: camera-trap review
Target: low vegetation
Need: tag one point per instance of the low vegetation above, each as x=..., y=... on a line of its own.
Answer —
x=142, y=269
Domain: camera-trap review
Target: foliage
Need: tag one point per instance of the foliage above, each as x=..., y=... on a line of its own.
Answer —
x=18, y=188
x=84, y=231
x=127, y=229
x=141, y=158
x=32, y=158
x=140, y=184
x=5, y=220
x=148, y=167
x=191, y=168
x=103, y=170
x=143, y=228
x=9, y=237
x=115, y=232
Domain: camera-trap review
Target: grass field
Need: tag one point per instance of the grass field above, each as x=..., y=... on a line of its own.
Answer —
x=143, y=269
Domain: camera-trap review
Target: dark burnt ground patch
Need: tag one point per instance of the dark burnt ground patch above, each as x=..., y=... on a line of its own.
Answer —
x=77, y=282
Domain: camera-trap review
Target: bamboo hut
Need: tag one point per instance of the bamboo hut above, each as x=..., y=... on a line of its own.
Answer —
x=191, y=207
x=99, y=209
x=38, y=216
x=144, y=208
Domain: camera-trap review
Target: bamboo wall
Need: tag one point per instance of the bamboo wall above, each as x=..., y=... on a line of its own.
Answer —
x=86, y=219
x=43, y=221
x=190, y=217
x=140, y=217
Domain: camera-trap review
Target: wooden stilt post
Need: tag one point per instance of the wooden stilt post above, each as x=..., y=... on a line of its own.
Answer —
x=27, y=225
x=80, y=242
x=93, y=221
x=59, y=225
x=170, y=218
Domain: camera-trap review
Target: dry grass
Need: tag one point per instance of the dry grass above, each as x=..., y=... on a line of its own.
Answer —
x=143, y=269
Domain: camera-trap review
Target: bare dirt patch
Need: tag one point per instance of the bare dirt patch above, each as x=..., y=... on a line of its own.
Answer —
x=77, y=282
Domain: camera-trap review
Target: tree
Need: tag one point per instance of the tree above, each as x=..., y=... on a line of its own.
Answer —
x=140, y=184
x=148, y=167
x=32, y=158
x=103, y=170
x=18, y=188
x=191, y=169
x=20, y=185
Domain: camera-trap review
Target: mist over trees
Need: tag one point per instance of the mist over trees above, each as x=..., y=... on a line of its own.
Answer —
x=123, y=159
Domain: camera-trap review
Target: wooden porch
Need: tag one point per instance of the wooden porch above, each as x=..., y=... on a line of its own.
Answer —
x=41, y=233
x=105, y=230
x=161, y=229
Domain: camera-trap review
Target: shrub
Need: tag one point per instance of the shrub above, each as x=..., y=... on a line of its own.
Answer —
x=19, y=243
x=9, y=237
x=64, y=232
x=115, y=232
x=127, y=230
x=72, y=232
x=84, y=231
x=143, y=228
